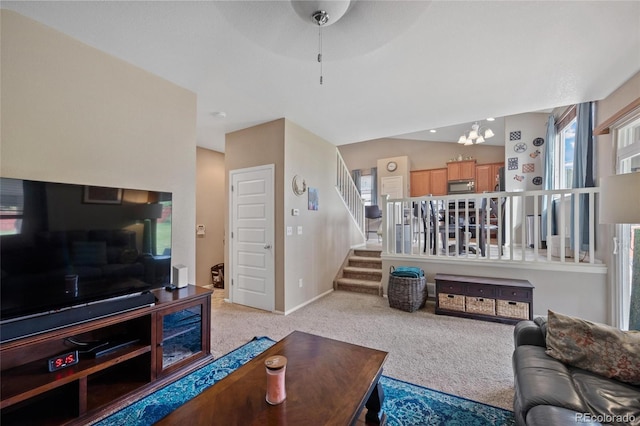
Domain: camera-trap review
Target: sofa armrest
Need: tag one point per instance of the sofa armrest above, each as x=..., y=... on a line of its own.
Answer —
x=528, y=333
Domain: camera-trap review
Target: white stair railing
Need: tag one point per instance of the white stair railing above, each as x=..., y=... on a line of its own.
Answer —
x=349, y=193
x=514, y=225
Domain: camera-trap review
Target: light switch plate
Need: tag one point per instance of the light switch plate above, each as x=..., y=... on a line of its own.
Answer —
x=299, y=230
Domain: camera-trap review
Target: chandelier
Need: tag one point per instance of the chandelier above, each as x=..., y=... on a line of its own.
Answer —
x=477, y=134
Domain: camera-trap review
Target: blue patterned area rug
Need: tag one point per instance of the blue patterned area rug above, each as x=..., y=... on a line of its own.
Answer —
x=404, y=403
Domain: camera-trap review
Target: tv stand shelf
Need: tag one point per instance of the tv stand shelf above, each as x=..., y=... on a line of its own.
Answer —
x=19, y=383
x=95, y=385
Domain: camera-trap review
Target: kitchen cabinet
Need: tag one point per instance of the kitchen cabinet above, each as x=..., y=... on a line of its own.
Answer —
x=439, y=181
x=420, y=183
x=425, y=182
x=487, y=177
x=435, y=181
x=461, y=170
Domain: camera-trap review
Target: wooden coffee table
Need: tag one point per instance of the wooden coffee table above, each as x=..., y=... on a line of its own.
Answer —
x=327, y=382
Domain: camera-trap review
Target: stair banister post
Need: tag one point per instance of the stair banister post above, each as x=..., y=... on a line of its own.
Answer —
x=385, y=224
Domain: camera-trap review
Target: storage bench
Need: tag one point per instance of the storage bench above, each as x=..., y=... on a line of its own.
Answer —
x=491, y=299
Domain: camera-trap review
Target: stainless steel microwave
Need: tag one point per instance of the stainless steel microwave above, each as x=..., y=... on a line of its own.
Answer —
x=462, y=187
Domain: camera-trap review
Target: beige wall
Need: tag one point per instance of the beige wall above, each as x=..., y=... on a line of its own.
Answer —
x=257, y=146
x=572, y=291
x=210, y=212
x=422, y=155
x=606, y=166
x=328, y=233
x=531, y=126
x=403, y=170
x=71, y=113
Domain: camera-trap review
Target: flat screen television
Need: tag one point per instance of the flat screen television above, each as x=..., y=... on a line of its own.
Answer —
x=70, y=253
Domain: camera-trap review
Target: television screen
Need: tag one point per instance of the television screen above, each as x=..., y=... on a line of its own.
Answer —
x=62, y=245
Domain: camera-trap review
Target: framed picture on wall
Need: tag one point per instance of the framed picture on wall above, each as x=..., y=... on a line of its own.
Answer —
x=101, y=195
x=313, y=199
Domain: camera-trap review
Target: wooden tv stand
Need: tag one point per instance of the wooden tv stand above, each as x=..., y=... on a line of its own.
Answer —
x=171, y=339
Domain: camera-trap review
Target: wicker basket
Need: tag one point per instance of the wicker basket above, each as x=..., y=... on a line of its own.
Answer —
x=407, y=294
x=507, y=308
x=481, y=305
x=452, y=302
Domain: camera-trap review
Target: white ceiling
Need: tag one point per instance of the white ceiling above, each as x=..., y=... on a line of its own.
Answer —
x=391, y=68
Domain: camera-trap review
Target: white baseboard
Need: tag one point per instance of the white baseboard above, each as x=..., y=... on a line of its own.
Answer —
x=302, y=305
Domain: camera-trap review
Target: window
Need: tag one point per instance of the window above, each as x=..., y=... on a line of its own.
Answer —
x=365, y=189
x=11, y=206
x=563, y=161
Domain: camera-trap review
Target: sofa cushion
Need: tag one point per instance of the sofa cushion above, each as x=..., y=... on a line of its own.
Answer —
x=616, y=402
x=542, y=323
x=528, y=333
x=598, y=348
x=545, y=415
x=542, y=380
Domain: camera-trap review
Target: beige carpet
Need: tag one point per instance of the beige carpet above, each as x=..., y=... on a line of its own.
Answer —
x=464, y=357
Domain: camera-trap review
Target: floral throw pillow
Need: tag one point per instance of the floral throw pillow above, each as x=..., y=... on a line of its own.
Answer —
x=598, y=348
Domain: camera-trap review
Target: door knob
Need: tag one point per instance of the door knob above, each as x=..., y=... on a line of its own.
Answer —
x=267, y=246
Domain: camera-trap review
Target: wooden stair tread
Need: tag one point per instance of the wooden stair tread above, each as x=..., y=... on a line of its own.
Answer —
x=366, y=283
x=360, y=286
x=366, y=259
x=361, y=270
x=367, y=253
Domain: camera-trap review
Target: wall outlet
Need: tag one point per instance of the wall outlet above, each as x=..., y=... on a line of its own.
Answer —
x=300, y=282
x=289, y=231
x=299, y=230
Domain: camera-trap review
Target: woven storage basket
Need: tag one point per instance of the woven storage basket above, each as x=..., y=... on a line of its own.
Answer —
x=407, y=294
x=506, y=308
x=452, y=302
x=481, y=305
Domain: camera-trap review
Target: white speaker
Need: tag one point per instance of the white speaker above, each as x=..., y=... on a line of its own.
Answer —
x=180, y=276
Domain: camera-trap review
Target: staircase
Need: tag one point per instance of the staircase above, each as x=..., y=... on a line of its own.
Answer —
x=362, y=273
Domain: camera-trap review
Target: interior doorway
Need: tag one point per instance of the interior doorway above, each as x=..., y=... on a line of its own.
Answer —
x=251, y=226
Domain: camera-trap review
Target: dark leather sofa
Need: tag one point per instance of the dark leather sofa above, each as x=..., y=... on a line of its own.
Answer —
x=548, y=392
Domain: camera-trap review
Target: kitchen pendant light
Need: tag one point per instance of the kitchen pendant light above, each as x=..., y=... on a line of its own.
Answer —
x=476, y=135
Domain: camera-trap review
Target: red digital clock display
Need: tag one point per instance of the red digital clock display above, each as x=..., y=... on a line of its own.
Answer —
x=61, y=361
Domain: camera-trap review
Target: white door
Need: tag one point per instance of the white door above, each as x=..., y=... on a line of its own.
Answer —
x=392, y=186
x=252, y=233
